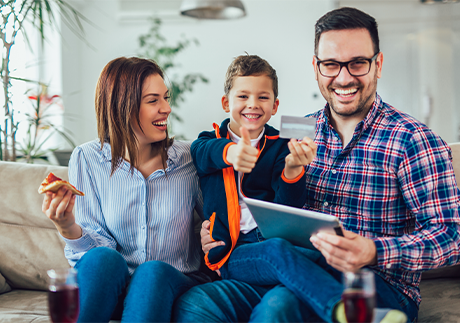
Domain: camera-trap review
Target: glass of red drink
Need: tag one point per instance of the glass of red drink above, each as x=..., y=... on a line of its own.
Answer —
x=359, y=296
x=63, y=295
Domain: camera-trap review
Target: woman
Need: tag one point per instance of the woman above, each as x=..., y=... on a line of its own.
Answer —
x=131, y=238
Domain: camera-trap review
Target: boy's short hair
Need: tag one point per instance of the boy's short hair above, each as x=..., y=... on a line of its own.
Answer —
x=249, y=65
x=347, y=18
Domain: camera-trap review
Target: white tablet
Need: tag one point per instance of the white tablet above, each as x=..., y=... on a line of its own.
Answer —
x=291, y=223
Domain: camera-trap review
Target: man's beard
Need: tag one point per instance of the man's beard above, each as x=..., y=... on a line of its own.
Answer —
x=364, y=104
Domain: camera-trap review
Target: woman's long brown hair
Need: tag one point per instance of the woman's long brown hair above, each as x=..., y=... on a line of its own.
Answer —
x=118, y=100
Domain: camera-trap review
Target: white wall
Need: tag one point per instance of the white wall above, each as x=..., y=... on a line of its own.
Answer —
x=281, y=31
x=421, y=48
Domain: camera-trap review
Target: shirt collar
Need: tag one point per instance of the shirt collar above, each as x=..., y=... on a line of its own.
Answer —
x=325, y=115
x=235, y=138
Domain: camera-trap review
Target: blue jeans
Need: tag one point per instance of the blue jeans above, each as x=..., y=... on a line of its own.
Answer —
x=107, y=290
x=301, y=273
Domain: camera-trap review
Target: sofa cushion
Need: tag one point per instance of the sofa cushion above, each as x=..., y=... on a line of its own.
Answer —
x=20, y=203
x=27, y=253
x=24, y=306
x=440, y=300
x=30, y=242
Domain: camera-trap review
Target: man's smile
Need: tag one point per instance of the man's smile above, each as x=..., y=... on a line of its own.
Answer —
x=346, y=92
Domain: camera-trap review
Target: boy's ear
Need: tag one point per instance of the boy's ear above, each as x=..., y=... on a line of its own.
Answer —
x=225, y=104
x=275, y=107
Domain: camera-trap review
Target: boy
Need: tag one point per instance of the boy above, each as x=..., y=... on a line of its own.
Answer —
x=246, y=157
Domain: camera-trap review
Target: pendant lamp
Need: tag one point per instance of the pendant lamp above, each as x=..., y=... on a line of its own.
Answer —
x=213, y=9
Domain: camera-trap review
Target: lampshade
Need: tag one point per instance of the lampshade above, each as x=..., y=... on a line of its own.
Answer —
x=213, y=9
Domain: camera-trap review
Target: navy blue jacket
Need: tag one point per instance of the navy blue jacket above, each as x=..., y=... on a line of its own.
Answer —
x=218, y=184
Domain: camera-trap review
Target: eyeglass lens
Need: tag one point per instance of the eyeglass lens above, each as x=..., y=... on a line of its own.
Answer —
x=357, y=67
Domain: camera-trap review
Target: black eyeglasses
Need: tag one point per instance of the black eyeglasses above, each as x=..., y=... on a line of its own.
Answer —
x=356, y=67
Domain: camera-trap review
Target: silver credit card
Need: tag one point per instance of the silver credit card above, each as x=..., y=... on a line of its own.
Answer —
x=297, y=127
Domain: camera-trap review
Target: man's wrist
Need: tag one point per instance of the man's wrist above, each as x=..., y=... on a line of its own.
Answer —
x=374, y=258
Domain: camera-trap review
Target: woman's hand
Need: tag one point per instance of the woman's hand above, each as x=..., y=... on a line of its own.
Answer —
x=58, y=208
x=206, y=242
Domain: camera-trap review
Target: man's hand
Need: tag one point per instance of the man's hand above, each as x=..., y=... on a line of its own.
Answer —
x=242, y=156
x=302, y=154
x=206, y=241
x=347, y=253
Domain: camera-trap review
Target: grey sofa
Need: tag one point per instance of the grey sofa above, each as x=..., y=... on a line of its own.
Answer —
x=30, y=245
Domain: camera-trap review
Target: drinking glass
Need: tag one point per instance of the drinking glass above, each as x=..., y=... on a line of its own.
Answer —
x=63, y=295
x=359, y=295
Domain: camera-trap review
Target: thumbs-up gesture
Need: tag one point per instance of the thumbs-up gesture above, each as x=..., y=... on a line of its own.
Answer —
x=242, y=156
x=302, y=154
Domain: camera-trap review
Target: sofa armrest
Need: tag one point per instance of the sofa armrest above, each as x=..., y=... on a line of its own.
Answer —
x=4, y=287
x=444, y=272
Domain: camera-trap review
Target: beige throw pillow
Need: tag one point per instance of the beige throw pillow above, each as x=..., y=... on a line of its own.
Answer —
x=30, y=243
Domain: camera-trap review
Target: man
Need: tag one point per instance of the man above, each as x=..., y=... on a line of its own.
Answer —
x=387, y=177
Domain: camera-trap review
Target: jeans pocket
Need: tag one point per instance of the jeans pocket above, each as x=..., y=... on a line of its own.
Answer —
x=408, y=307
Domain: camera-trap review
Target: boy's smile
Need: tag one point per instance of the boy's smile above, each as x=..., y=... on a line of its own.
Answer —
x=251, y=103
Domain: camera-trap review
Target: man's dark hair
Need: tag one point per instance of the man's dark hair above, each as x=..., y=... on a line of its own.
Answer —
x=347, y=18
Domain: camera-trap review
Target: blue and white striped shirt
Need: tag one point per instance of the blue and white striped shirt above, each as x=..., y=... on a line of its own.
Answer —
x=142, y=218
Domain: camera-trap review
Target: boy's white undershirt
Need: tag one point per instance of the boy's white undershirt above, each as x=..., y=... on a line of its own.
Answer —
x=247, y=222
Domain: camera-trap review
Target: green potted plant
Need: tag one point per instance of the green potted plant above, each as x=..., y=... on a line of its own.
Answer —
x=42, y=15
x=154, y=45
x=41, y=127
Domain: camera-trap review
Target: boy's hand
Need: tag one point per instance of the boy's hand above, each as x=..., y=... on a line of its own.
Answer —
x=242, y=156
x=302, y=154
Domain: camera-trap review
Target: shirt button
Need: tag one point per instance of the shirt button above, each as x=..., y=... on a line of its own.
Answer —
x=143, y=227
x=419, y=267
x=326, y=204
x=388, y=266
x=334, y=171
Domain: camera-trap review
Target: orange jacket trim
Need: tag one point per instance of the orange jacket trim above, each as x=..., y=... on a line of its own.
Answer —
x=233, y=209
x=224, y=154
x=263, y=146
x=211, y=227
x=294, y=180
